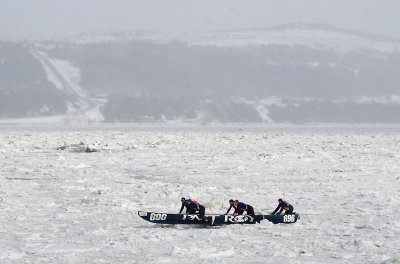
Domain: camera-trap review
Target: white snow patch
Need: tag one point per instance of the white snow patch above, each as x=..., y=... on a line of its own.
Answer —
x=44, y=109
x=297, y=35
x=391, y=99
x=314, y=64
x=314, y=38
x=66, y=77
x=51, y=76
x=70, y=73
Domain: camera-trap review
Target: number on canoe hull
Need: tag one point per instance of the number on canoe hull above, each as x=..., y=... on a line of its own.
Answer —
x=289, y=218
x=158, y=217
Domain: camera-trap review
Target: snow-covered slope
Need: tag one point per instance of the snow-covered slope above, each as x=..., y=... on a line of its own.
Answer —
x=341, y=41
x=292, y=73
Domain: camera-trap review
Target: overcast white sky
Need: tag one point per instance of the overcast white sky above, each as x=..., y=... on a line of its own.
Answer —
x=47, y=18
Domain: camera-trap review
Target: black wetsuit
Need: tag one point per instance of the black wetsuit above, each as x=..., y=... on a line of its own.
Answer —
x=284, y=206
x=194, y=208
x=242, y=207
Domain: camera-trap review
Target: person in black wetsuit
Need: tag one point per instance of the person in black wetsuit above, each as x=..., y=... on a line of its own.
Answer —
x=240, y=208
x=193, y=207
x=283, y=205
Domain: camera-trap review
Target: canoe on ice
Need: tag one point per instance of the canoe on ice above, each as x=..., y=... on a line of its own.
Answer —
x=172, y=219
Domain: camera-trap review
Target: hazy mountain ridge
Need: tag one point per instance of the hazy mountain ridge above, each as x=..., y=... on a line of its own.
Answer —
x=319, y=36
x=145, y=79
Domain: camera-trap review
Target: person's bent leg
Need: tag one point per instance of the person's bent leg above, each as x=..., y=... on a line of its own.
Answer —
x=290, y=211
x=250, y=211
x=202, y=211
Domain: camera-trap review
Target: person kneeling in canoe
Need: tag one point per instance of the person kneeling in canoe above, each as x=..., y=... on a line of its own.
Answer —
x=240, y=208
x=283, y=205
x=193, y=207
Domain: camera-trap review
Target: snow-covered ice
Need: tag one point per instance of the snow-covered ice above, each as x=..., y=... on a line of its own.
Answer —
x=62, y=205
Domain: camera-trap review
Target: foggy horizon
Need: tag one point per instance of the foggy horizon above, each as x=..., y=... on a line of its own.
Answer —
x=301, y=62
x=46, y=19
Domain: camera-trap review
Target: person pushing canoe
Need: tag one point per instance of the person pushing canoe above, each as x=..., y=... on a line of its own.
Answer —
x=283, y=205
x=240, y=208
x=231, y=205
x=192, y=207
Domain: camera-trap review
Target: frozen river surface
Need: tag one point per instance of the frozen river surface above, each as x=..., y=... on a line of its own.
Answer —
x=60, y=204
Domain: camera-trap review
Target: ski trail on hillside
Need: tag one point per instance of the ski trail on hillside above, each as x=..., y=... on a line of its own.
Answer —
x=82, y=108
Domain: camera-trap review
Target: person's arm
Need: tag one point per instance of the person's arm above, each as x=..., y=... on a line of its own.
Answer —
x=183, y=205
x=277, y=208
x=230, y=207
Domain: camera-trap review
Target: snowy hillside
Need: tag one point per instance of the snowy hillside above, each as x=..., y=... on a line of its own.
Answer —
x=307, y=35
x=295, y=74
x=33, y=86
